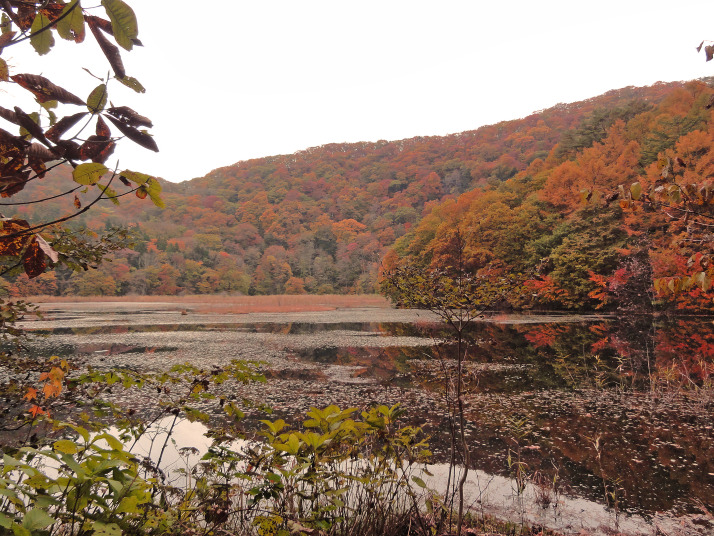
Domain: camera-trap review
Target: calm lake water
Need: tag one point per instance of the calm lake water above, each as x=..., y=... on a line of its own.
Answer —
x=615, y=411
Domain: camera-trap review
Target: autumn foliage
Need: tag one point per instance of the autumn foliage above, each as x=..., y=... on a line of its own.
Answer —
x=551, y=194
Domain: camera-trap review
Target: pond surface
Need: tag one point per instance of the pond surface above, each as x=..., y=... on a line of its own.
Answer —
x=617, y=412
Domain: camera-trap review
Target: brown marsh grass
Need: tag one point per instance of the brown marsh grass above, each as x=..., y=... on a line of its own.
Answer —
x=214, y=303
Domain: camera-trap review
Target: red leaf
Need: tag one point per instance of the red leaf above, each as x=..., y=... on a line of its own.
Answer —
x=141, y=192
x=94, y=146
x=105, y=153
x=102, y=129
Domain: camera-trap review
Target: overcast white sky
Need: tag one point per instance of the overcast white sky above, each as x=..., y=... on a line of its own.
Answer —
x=230, y=80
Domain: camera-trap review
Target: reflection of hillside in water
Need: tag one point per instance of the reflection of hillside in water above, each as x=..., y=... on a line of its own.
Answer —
x=616, y=410
x=622, y=407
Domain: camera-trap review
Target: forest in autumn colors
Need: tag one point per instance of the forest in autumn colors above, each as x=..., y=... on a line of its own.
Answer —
x=535, y=196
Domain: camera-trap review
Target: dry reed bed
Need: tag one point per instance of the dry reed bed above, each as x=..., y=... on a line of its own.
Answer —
x=215, y=303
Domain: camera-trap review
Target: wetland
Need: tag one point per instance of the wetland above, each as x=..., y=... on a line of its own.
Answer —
x=609, y=417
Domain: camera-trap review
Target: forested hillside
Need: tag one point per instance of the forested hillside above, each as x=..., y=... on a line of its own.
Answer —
x=322, y=220
x=570, y=221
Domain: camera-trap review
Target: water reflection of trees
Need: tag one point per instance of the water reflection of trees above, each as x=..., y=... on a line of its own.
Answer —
x=619, y=410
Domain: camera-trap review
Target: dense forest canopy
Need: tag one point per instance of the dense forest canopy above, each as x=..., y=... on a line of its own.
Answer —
x=325, y=220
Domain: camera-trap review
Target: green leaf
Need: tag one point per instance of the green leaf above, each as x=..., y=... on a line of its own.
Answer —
x=636, y=191
x=106, y=529
x=89, y=173
x=129, y=505
x=111, y=194
x=675, y=194
x=37, y=519
x=41, y=41
x=97, y=99
x=136, y=177
x=5, y=521
x=5, y=23
x=66, y=446
x=419, y=482
x=124, y=23
x=154, y=191
x=112, y=441
x=133, y=83
x=291, y=447
x=71, y=27
x=275, y=478
x=18, y=530
x=4, y=71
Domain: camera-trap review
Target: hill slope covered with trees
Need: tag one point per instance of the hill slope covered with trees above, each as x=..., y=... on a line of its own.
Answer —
x=322, y=220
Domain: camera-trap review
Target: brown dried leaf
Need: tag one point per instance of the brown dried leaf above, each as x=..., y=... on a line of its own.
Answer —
x=34, y=259
x=62, y=126
x=135, y=135
x=68, y=149
x=105, y=153
x=699, y=48
x=40, y=152
x=709, y=52
x=102, y=24
x=77, y=203
x=45, y=90
x=12, y=184
x=8, y=115
x=130, y=117
x=38, y=166
x=11, y=147
x=52, y=10
x=28, y=124
x=106, y=27
x=5, y=39
x=25, y=16
x=12, y=243
x=110, y=51
x=94, y=146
